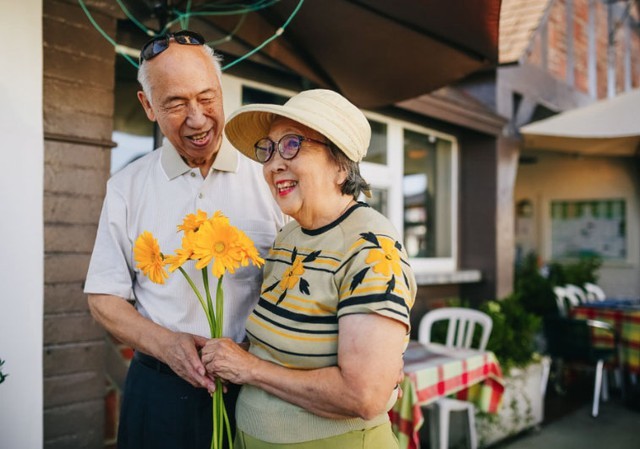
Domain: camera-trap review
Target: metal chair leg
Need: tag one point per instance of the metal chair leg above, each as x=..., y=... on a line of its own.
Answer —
x=473, y=437
x=597, y=389
x=443, y=427
x=434, y=421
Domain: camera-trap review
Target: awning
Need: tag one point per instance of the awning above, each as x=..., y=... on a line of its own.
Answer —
x=608, y=127
x=375, y=52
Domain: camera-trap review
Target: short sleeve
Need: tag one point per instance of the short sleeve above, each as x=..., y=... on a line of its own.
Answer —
x=109, y=269
x=377, y=279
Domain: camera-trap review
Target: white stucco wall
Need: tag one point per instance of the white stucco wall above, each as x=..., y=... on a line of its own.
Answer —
x=21, y=224
x=557, y=176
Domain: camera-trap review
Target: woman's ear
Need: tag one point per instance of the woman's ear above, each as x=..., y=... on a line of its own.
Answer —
x=341, y=176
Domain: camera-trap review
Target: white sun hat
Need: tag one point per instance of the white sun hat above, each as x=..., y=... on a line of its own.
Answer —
x=322, y=110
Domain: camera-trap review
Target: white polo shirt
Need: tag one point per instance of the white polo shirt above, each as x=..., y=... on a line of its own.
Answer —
x=154, y=194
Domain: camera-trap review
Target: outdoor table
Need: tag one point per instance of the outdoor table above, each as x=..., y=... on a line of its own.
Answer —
x=434, y=371
x=624, y=316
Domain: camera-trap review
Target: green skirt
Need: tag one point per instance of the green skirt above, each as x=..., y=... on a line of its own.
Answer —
x=380, y=437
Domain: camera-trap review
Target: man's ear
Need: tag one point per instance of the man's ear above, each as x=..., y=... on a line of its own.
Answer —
x=147, y=106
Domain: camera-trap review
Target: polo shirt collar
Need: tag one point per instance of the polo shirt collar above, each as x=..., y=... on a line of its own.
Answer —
x=174, y=166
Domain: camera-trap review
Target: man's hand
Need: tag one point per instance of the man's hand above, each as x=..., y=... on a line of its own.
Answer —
x=178, y=350
x=182, y=355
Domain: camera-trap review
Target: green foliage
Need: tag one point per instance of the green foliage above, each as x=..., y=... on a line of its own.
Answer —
x=514, y=331
x=535, y=289
x=576, y=273
x=517, y=318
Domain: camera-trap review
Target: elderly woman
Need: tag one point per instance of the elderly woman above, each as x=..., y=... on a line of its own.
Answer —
x=332, y=321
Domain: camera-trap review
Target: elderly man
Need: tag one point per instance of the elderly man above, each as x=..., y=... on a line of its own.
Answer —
x=166, y=399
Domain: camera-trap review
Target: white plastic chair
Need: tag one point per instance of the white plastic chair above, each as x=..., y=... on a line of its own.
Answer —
x=564, y=299
x=594, y=292
x=460, y=330
x=579, y=295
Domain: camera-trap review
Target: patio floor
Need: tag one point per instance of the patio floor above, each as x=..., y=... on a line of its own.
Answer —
x=569, y=425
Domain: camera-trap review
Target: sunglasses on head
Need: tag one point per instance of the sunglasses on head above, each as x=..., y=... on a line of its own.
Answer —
x=160, y=43
x=288, y=146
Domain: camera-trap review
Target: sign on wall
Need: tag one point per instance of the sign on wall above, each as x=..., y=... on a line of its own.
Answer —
x=581, y=228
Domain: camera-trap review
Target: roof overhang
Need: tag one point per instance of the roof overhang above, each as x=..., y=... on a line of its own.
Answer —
x=607, y=128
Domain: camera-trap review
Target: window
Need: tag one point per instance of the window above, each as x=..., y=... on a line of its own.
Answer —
x=252, y=95
x=377, y=153
x=585, y=228
x=132, y=130
x=413, y=174
x=426, y=193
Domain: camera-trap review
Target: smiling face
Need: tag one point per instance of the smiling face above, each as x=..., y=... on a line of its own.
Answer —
x=186, y=101
x=306, y=187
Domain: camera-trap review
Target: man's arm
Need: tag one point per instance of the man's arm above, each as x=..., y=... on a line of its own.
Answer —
x=177, y=349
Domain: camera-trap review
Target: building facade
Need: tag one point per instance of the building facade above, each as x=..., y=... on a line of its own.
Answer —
x=556, y=56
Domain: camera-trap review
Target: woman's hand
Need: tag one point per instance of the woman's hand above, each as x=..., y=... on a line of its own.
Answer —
x=226, y=359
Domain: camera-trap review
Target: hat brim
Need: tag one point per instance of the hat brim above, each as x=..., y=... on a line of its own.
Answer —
x=251, y=123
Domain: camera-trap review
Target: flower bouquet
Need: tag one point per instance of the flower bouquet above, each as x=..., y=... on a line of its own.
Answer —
x=207, y=241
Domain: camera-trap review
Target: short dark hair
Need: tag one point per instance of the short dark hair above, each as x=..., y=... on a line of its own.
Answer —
x=355, y=183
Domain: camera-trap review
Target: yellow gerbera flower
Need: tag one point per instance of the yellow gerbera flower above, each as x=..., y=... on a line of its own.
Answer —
x=249, y=251
x=292, y=274
x=215, y=241
x=386, y=259
x=192, y=222
x=181, y=254
x=146, y=252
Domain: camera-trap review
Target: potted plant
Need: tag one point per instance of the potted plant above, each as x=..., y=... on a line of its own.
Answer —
x=513, y=340
x=517, y=341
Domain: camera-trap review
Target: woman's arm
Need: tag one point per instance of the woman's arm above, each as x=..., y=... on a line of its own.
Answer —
x=370, y=350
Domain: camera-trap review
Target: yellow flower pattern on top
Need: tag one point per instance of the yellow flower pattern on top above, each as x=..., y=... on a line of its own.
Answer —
x=386, y=258
x=292, y=275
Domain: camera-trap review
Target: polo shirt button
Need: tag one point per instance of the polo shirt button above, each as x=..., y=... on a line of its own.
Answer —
x=200, y=195
x=193, y=175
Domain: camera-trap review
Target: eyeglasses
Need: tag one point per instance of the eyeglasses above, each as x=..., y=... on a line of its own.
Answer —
x=160, y=43
x=288, y=147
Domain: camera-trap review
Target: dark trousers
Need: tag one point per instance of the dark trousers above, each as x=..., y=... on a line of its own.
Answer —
x=160, y=410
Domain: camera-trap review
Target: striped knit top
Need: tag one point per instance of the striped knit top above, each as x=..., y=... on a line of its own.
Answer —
x=311, y=279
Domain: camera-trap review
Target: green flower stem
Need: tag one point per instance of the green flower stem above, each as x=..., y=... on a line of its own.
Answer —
x=220, y=412
x=199, y=296
x=227, y=426
x=214, y=417
x=213, y=325
x=219, y=307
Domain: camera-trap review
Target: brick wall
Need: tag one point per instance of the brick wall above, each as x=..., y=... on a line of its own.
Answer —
x=601, y=26
x=549, y=49
x=635, y=50
x=78, y=109
x=581, y=45
x=557, y=40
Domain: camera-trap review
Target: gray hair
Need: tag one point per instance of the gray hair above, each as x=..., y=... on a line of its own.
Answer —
x=355, y=184
x=143, y=70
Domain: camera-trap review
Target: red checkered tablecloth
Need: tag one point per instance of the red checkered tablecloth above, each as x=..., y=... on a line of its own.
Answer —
x=434, y=371
x=626, y=320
